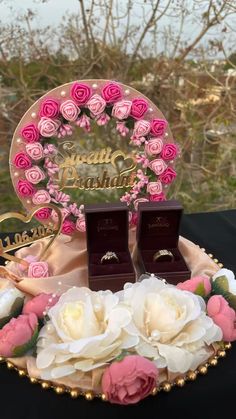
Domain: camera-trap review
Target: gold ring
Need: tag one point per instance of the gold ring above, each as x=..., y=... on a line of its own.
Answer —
x=163, y=255
x=110, y=257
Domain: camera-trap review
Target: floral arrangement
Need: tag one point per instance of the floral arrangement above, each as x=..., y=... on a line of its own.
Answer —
x=37, y=144
x=125, y=345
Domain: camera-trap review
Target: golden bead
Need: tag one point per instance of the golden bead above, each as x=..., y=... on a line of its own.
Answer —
x=180, y=382
x=22, y=373
x=104, y=397
x=89, y=396
x=213, y=362
x=191, y=375
x=74, y=393
x=33, y=380
x=202, y=369
x=221, y=353
x=2, y=359
x=210, y=255
x=228, y=345
x=220, y=265
x=10, y=366
x=154, y=391
x=59, y=390
x=216, y=260
x=166, y=386
x=45, y=385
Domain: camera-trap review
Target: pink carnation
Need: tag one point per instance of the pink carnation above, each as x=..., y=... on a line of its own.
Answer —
x=81, y=93
x=30, y=133
x=139, y=108
x=48, y=127
x=111, y=92
x=157, y=166
x=121, y=109
x=154, y=146
x=141, y=128
x=222, y=315
x=39, y=304
x=169, y=151
x=69, y=110
x=96, y=104
x=68, y=227
x=41, y=197
x=158, y=127
x=196, y=282
x=35, y=151
x=168, y=176
x=22, y=161
x=34, y=175
x=157, y=197
x=154, y=188
x=38, y=270
x=24, y=188
x=43, y=213
x=49, y=108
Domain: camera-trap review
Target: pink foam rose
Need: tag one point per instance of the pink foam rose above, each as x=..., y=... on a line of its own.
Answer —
x=80, y=92
x=158, y=127
x=154, y=188
x=43, y=213
x=80, y=224
x=130, y=380
x=102, y=119
x=17, y=333
x=193, y=283
x=96, y=104
x=24, y=188
x=69, y=110
x=68, y=227
x=39, y=304
x=169, y=151
x=38, y=270
x=139, y=108
x=222, y=315
x=141, y=128
x=154, y=146
x=111, y=92
x=157, y=166
x=121, y=109
x=49, y=108
x=22, y=161
x=34, y=175
x=30, y=133
x=157, y=197
x=35, y=151
x=168, y=176
x=48, y=127
x=41, y=197
x=138, y=201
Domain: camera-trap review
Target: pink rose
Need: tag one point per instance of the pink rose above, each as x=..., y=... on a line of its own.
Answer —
x=43, y=213
x=96, y=104
x=168, y=175
x=154, y=188
x=80, y=92
x=111, y=92
x=39, y=304
x=200, y=285
x=158, y=127
x=38, y=270
x=80, y=224
x=138, y=201
x=34, y=150
x=30, y=133
x=25, y=188
x=130, y=380
x=157, y=197
x=169, y=151
x=41, y=197
x=157, y=166
x=121, y=109
x=68, y=227
x=222, y=315
x=34, y=175
x=139, y=108
x=48, y=127
x=49, y=108
x=22, y=161
x=141, y=128
x=69, y=110
x=17, y=336
x=154, y=146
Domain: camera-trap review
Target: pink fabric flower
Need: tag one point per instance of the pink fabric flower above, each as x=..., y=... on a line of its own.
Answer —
x=64, y=130
x=222, y=315
x=61, y=197
x=138, y=201
x=16, y=334
x=168, y=176
x=34, y=175
x=158, y=127
x=22, y=161
x=39, y=304
x=69, y=110
x=51, y=167
x=157, y=166
x=141, y=128
x=195, y=283
x=43, y=213
x=38, y=270
x=80, y=224
x=139, y=108
x=157, y=197
x=35, y=151
x=49, y=150
x=41, y=197
x=111, y=92
x=84, y=122
x=24, y=188
x=68, y=227
x=130, y=380
x=49, y=108
x=122, y=129
x=154, y=188
x=30, y=133
x=80, y=92
x=103, y=119
x=121, y=109
x=169, y=151
x=154, y=146
x=96, y=104
x=48, y=127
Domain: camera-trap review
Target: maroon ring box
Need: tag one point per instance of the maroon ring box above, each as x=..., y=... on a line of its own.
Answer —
x=158, y=228
x=107, y=227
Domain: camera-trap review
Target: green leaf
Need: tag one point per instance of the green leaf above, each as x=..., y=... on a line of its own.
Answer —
x=200, y=290
x=221, y=287
x=15, y=311
x=122, y=355
x=21, y=350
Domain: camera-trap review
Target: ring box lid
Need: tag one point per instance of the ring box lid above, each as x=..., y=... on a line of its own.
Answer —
x=158, y=226
x=107, y=227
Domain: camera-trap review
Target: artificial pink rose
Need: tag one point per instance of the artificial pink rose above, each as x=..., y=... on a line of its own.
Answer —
x=22, y=161
x=154, y=188
x=48, y=127
x=141, y=128
x=38, y=270
x=222, y=315
x=154, y=146
x=80, y=92
x=157, y=166
x=80, y=224
x=69, y=110
x=111, y=92
x=41, y=197
x=158, y=127
x=130, y=380
x=138, y=201
x=96, y=104
x=34, y=175
x=35, y=151
x=169, y=151
x=43, y=214
x=30, y=133
x=68, y=227
x=201, y=284
x=49, y=108
x=16, y=337
x=139, y=108
x=24, y=188
x=168, y=176
x=157, y=197
x=39, y=304
x=121, y=109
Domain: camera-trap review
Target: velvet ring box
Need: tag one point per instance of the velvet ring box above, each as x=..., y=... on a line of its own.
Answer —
x=158, y=228
x=107, y=227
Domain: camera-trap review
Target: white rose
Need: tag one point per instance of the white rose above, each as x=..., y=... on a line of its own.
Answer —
x=11, y=301
x=230, y=278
